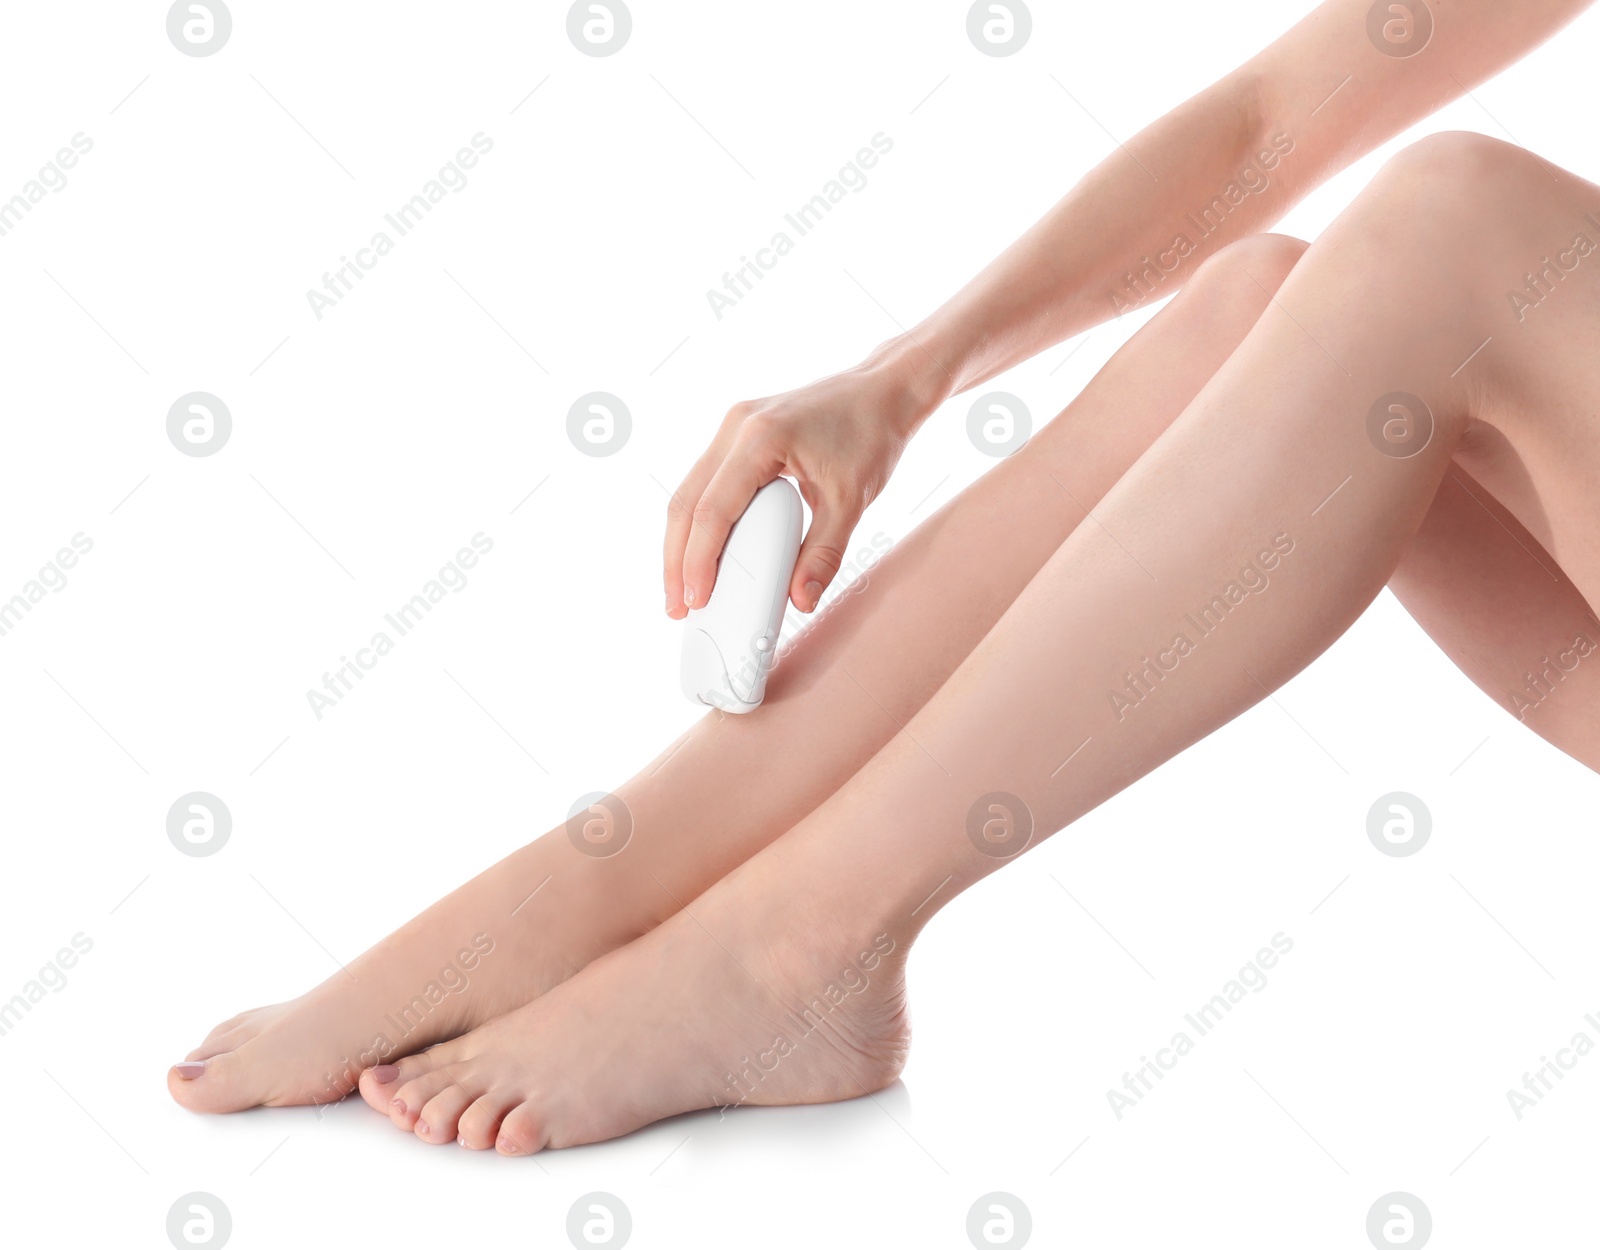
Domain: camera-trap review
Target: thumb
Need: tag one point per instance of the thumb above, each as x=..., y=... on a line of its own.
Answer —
x=822, y=553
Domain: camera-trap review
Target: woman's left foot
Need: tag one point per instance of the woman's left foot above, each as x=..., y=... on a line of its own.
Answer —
x=745, y=996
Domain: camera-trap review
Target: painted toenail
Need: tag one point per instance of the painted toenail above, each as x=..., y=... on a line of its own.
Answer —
x=384, y=1073
x=189, y=1069
x=398, y=1107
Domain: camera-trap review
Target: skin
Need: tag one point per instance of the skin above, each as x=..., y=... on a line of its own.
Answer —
x=850, y=681
x=1273, y=454
x=840, y=438
x=1237, y=415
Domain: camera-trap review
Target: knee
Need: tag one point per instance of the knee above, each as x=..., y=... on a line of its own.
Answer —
x=1445, y=221
x=1451, y=155
x=1455, y=178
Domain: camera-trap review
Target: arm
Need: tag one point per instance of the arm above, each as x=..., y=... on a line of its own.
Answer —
x=1224, y=164
x=1227, y=163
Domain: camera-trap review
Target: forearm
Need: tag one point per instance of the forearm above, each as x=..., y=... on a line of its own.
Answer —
x=1226, y=163
x=1130, y=232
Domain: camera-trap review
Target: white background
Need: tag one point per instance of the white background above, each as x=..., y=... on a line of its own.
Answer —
x=370, y=445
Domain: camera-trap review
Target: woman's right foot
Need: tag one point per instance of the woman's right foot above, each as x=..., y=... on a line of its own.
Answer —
x=501, y=940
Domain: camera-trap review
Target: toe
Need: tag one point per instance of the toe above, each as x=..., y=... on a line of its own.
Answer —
x=411, y=1096
x=221, y=1083
x=520, y=1132
x=212, y=1046
x=243, y=1018
x=442, y=1113
x=233, y=1032
x=481, y=1121
x=380, y=1084
x=220, y=1039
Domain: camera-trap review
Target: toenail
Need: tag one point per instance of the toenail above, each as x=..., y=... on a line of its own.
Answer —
x=384, y=1073
x=398, y=1107
x=507, y=1147
x=189, y=1069
x=422, y=1128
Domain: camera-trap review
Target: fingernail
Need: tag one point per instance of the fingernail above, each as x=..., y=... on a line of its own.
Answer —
x=189, y=1069
x=384, y=1073
x=398, y=1107
x=814, y=589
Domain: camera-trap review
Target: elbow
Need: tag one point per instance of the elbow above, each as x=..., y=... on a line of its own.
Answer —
x=1246, y=94
x=1262, y=141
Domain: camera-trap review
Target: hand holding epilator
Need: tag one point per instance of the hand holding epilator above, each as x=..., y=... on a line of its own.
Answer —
x=729, y=644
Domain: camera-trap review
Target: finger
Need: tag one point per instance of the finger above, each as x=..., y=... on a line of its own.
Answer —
x=822, y=553
x=727, y=495
x=680, y=519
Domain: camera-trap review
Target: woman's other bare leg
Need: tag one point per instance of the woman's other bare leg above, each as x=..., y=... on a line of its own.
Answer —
x=1505, y=611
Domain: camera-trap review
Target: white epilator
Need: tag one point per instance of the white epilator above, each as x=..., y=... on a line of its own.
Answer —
x=729, y=644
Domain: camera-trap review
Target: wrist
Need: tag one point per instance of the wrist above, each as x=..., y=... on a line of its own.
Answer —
x=914, y=379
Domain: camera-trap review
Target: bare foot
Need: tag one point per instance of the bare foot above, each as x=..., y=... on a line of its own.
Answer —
x=752, y=995
x=505, y=937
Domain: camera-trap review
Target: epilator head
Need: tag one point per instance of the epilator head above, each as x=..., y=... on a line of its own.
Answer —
x=729, y=644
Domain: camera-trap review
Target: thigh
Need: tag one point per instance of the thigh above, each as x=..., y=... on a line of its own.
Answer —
x=1503, y=609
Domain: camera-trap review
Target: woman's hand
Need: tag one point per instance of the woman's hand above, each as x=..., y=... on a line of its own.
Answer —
x=839, y=439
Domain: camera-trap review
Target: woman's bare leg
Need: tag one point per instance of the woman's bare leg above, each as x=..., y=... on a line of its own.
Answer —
x=732, y=784
x=1246, y=540
x=1504, y=610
